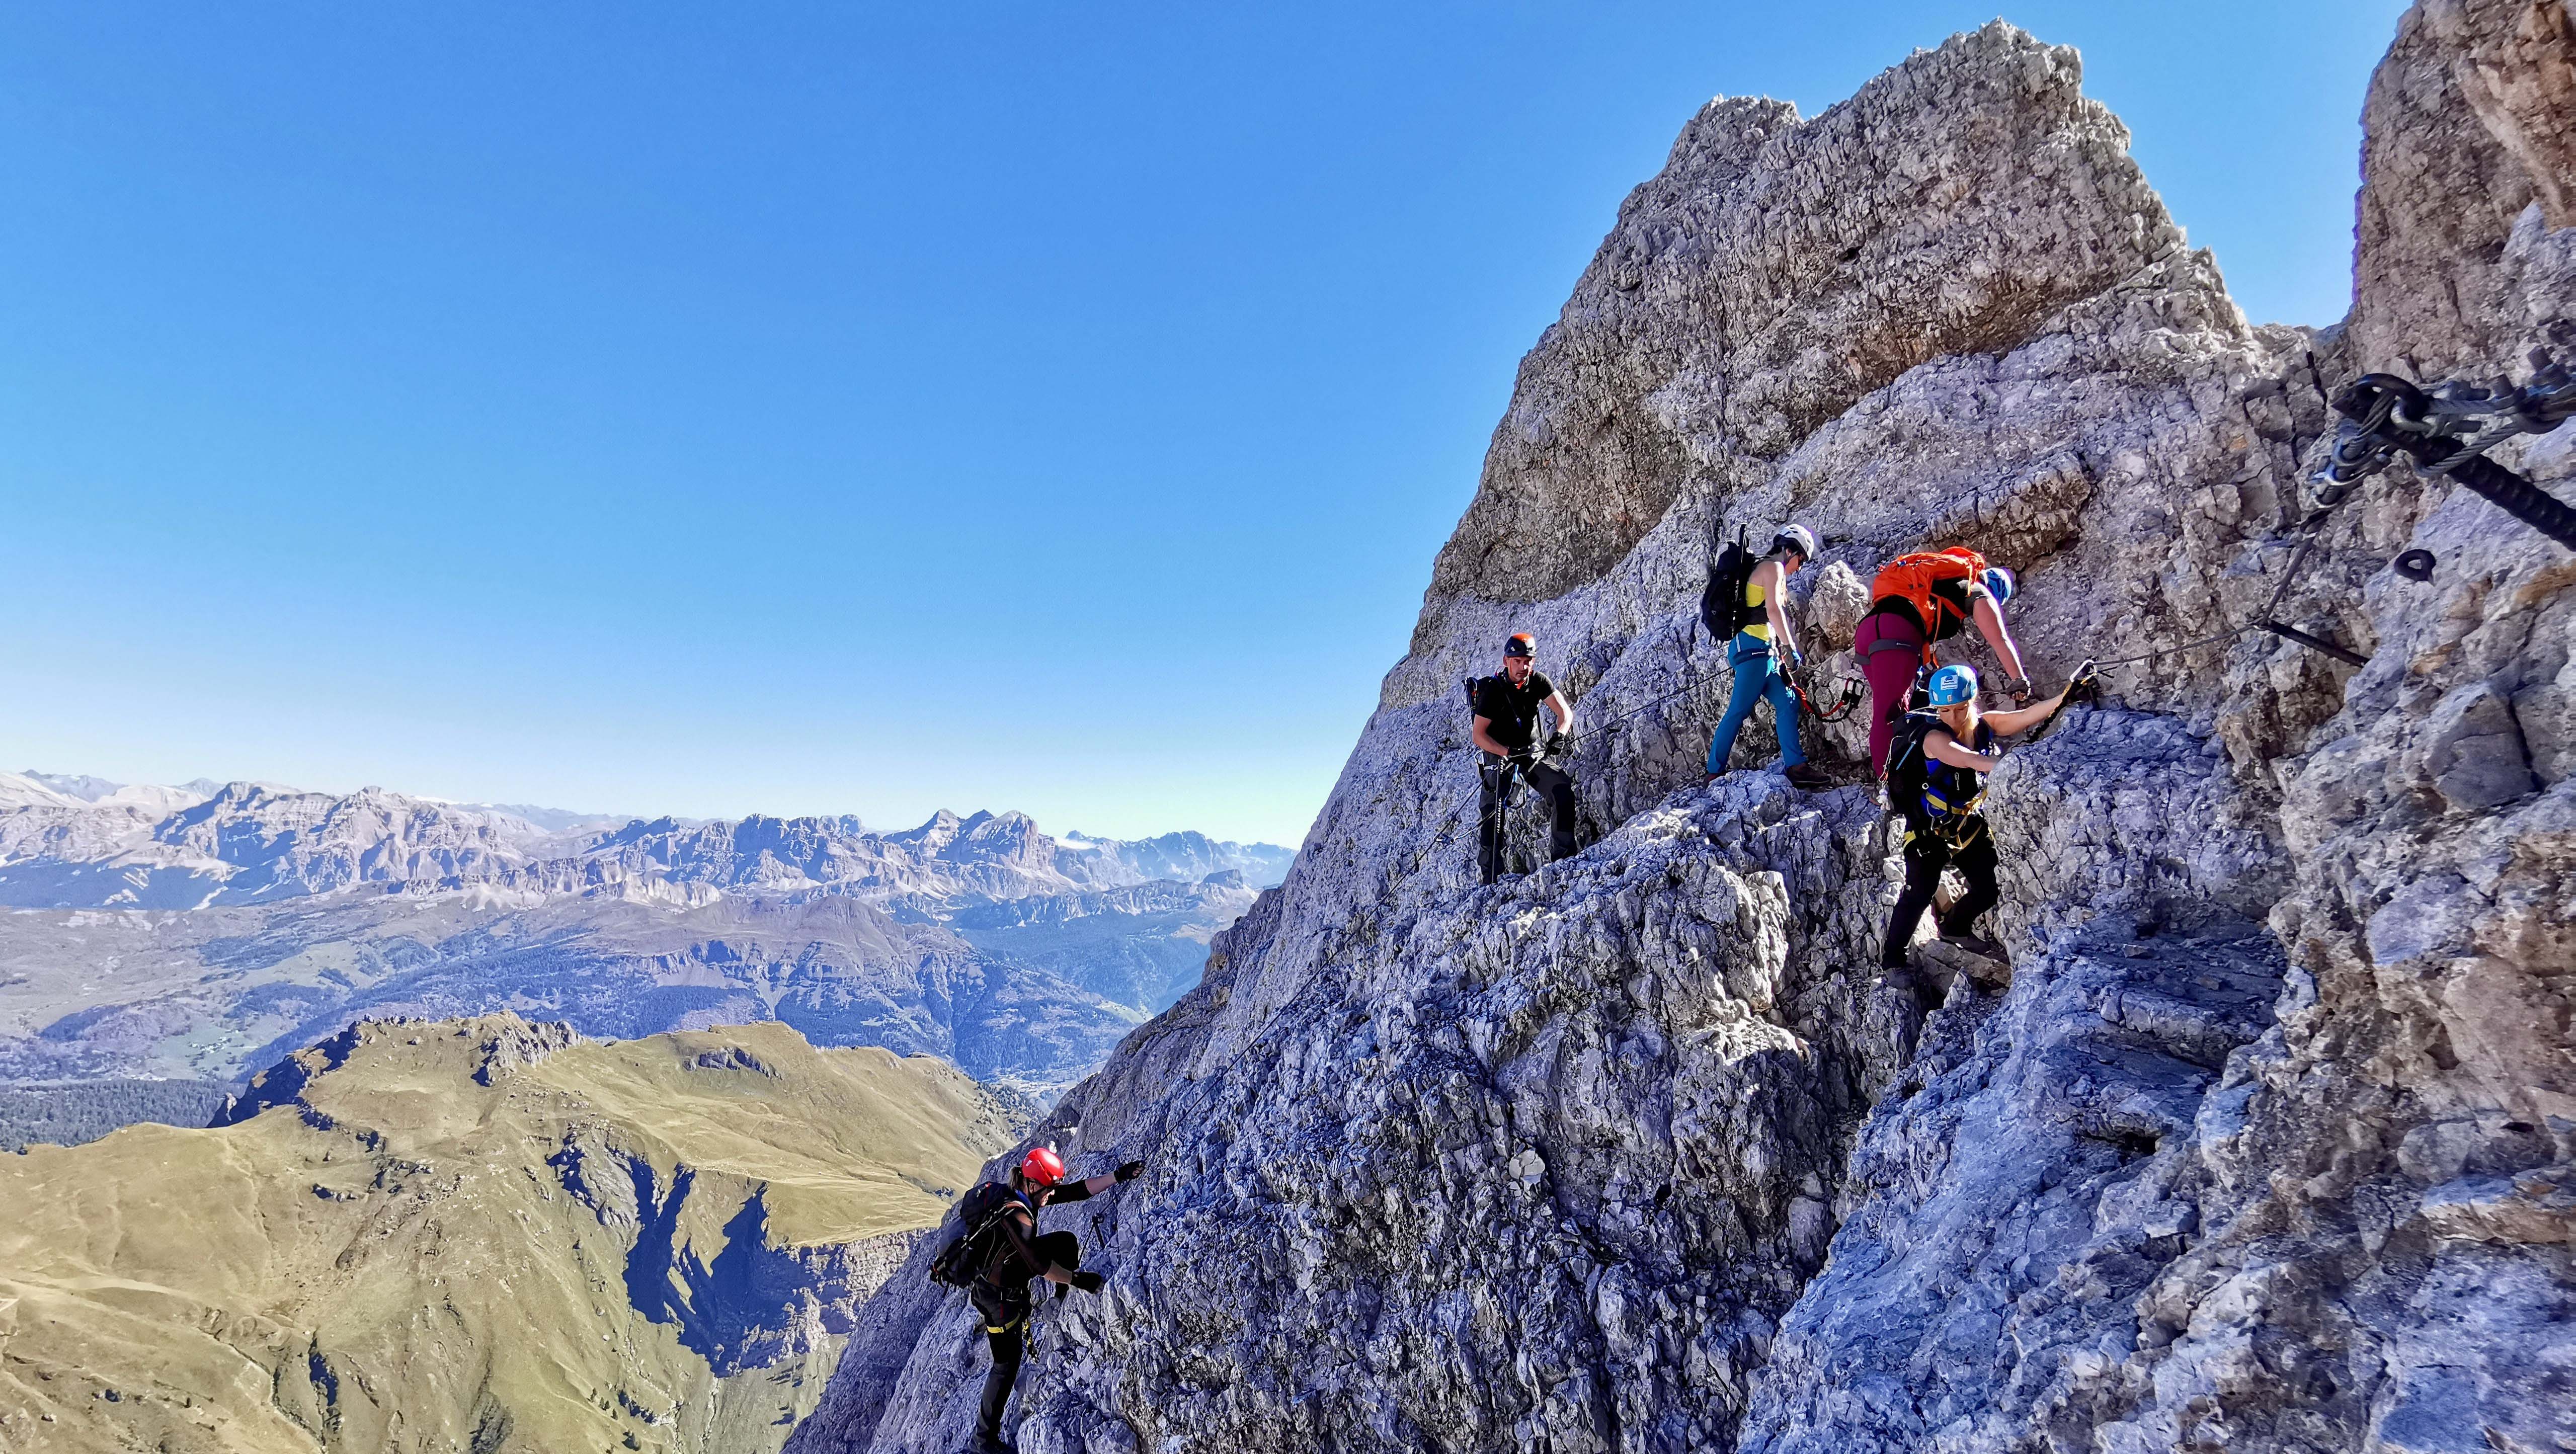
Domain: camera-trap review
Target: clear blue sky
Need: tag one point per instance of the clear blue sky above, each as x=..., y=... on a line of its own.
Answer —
x=857, y=408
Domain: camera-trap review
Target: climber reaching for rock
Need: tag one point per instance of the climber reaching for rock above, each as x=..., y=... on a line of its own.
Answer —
x=1936, y=780
x=1506, y=731
x=1918, y=600
x=1014, y=1252
x=1745, y=606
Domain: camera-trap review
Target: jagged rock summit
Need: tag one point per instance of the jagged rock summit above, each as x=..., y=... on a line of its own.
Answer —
x=2270, y=1141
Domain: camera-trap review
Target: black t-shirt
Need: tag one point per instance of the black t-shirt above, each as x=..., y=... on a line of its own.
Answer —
x=1012, y=1261
x=1512, y=711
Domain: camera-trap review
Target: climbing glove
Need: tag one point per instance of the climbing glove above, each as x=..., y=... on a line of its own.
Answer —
x=1130, y=1170
x=1558, y=744
x=2017, y=688
x=1090, y=1281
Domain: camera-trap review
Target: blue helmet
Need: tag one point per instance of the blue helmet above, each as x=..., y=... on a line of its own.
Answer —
x=1999, y=583
x=1953, y=685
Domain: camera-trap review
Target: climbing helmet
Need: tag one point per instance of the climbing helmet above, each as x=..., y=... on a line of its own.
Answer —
x=1953, y=685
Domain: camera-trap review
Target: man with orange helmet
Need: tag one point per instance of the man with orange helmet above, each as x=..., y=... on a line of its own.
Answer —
x=1505, y=730
x=1001, y=1287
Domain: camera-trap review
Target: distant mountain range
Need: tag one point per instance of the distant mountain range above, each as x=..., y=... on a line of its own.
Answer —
x=199, y=930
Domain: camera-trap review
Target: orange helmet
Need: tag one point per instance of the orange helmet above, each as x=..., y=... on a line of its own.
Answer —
x=1042, y=1167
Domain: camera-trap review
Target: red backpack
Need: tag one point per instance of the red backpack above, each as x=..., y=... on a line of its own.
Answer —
x=1910, y=578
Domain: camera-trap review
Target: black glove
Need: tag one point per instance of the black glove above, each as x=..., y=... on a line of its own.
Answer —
x=1090, y=1281
x=1130, y=1170
x=1558, y=744
x=2017, y=688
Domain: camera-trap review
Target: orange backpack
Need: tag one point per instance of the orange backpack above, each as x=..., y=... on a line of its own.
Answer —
x=1910, y=578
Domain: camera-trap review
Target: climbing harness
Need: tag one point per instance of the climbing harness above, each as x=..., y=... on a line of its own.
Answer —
x=1944, y=799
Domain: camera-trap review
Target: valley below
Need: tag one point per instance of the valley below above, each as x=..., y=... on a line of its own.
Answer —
x=479, y=1234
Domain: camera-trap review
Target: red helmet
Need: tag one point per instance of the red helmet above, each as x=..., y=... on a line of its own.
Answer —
x=1042, y=1167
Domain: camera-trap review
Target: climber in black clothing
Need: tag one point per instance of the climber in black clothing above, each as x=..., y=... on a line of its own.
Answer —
x=1506, y=730
x=1001, y=1288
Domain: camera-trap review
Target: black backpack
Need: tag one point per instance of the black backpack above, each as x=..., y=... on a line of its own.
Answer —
x=961, y=1260
x=1721, y=604
x=1908, y=768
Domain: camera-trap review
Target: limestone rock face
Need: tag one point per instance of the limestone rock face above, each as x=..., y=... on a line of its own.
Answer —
x=1778, y=271
x=2470, y=119
x=2267, y=1140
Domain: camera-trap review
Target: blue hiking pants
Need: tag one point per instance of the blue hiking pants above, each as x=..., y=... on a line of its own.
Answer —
x=1757, y=675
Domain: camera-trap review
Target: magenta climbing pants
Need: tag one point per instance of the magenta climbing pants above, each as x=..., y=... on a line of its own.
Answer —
x=1891, y=676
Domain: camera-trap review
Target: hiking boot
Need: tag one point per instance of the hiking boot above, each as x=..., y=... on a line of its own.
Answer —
x=1800, y=775
x=1976, y=944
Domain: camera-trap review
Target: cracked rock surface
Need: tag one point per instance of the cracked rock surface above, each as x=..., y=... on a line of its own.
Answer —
x=2267, y=1141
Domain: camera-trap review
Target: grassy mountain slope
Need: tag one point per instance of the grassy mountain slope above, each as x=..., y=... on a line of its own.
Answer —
x=478, y=1235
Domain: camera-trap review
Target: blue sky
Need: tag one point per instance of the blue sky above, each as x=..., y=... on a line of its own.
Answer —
x=862, y=408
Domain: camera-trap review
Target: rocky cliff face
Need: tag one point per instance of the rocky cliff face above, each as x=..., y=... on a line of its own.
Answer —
x=2268, y=1142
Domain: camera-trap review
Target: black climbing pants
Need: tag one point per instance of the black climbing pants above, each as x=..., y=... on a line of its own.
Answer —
x=1926, y=854
x=1008, y=1345
x=1497, y=779
x=1006, y=1329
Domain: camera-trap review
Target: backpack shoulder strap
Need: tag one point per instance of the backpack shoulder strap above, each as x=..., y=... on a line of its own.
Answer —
x=1911, y=732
